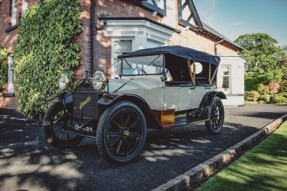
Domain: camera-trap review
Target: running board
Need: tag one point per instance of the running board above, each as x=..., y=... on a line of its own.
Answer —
x=182, y=121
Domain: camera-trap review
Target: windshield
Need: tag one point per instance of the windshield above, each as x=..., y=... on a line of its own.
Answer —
x=142, y=65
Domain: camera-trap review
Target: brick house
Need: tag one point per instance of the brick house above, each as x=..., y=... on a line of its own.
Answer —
x=111, y=27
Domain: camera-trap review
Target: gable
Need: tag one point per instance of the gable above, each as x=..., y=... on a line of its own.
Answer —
x=188, y=15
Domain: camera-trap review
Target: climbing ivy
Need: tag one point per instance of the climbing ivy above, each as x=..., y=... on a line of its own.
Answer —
x=45, y=49
x=3, y=57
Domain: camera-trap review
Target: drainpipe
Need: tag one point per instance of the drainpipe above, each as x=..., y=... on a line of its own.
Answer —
x=215, y=46
x=93, y=36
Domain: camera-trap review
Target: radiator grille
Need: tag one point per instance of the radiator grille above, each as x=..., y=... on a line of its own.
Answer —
x=85, y=103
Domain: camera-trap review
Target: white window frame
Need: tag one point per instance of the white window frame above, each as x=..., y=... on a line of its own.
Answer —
x=24, y=7
x=10, y=74
x=225, y=90
x=14, y=12
x=139, y=31
x=113, y=75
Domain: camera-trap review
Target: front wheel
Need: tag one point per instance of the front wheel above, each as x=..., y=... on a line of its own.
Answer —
x=56, y=121
x=215, y=116
x=121, y=133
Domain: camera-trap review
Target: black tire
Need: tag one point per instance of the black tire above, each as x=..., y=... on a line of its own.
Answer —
x=121, y=133
x=215, y=116
x=55, y=121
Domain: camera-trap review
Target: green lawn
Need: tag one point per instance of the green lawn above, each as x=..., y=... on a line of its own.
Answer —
x=262, y=168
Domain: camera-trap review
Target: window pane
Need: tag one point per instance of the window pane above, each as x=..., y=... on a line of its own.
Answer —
x=143, y=65
x=225, y=83
x=24, y=7
x=119, y=47
x=225, y=78
x=14, y=12
x=225, y=71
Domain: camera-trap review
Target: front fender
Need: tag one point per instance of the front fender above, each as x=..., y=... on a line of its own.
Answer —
x=111, y=99
x=66, y=98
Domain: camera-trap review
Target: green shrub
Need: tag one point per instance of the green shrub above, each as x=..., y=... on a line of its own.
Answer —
x=252, y=80
x=263, y=89
x=45, y=49
x=284, y=94
x=273, y=87
x=278, y=99
x=265, y=98
x=3, y=57
x=283, y=86
x=252, y=96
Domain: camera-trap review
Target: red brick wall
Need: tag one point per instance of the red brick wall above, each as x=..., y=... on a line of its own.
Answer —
x=115, y=8
x=8, y=39
x=8, y=102
x=120, y=8
x=84, y=39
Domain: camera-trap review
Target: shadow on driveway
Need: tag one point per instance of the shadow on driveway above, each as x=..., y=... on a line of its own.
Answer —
x=27, y=163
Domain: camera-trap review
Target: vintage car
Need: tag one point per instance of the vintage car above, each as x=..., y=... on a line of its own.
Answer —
x=157, y=88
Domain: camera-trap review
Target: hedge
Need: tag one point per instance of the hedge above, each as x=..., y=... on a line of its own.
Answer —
x=45, y=49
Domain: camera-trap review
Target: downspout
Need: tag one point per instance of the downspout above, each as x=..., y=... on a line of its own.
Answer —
x=93, y=36
x=215, y=46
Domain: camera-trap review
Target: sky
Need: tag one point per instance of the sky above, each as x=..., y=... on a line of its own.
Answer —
x=233, y=18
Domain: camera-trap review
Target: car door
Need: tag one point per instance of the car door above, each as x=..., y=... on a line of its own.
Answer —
x=183, y=97
x=177, y=91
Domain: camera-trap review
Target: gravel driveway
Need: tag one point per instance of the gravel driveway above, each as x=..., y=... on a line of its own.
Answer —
x=28, y=164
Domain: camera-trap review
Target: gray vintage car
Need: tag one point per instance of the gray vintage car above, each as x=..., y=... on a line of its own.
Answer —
x=157, y=88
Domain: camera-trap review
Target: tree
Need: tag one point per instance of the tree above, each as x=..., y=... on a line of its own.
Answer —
x=266, y=62
x=261, y=53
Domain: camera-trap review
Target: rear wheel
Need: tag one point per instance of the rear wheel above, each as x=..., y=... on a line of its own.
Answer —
x=215, y=116
x=121, y=133
x=55, y=123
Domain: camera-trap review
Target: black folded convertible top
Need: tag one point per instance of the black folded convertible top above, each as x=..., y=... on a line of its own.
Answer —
x=178, y=51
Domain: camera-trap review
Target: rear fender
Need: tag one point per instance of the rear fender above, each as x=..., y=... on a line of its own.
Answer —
x=112, y=99
x=209, y=96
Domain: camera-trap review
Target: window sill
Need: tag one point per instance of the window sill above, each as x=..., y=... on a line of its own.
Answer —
x=11, y=28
